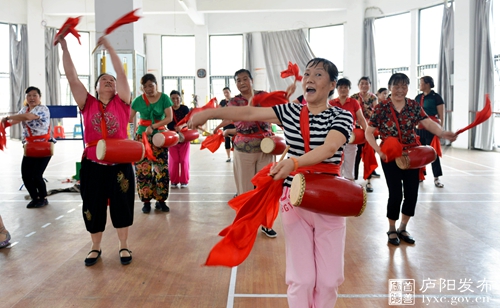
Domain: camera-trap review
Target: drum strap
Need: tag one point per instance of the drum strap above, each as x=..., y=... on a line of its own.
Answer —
x=304, y=127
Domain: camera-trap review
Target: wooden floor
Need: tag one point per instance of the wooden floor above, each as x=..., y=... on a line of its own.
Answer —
x=456, y=229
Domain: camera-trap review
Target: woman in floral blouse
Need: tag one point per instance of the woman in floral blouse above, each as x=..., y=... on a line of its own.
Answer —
x=398, y=117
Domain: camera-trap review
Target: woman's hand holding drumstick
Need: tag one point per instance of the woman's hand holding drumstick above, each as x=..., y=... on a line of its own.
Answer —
x=283, y=167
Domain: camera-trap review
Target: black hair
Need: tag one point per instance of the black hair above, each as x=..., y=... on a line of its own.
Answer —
x=241, y=71
x=173, y=92
x=148, y=77
x=365, y=78
x=398, y=78
x=329, y=67
x=381, y=90
x=428, y=80
x=226, y=88
x=97, y=82
x=31, y=88
x=344, y=82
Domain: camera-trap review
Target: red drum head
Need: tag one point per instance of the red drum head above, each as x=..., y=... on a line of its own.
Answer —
x=120, y=150
x=39, y=149
x=165, y=139
x=327, y=194
x=189, y=135
x=416, y=157
x=357, y=136
x=274, y=145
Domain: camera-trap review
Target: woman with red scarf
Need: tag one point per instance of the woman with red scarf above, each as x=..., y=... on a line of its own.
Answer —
x=398, y=117
x=316, y=135
x=35, y=119
x=152, y=175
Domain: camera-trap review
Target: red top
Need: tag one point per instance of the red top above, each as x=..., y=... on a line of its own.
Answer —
x=350, y=105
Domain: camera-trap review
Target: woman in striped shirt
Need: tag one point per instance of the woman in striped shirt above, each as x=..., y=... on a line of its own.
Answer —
x=314, y=242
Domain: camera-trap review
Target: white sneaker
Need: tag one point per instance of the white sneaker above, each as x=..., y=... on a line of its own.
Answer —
x=184, y=185
x=173, y=185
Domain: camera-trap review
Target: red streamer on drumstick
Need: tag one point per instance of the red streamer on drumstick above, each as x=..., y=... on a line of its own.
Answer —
x=481, y=116
x=292, y=70
x=3, y=135
x=210, y=105
x=392, y=148
x=213, y=142
x=125, y=19
x=253, y=209
x=68, y=27
x=270, y=99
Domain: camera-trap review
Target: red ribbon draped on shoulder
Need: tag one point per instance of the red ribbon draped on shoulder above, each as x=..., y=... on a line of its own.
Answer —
x=68, y=27
x=292, y=70
x=481, y=116
x=253, y=208
x=270, y=99
x=210, y=105
x=213, y=142
x=125, y=19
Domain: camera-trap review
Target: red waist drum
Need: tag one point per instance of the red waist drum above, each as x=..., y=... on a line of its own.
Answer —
x=328, y=194
x=165, y=139
x=188, y=135
x=120, y=150
x=416, y=157
x=357, y=136
x=39, y=149
x=274, y=145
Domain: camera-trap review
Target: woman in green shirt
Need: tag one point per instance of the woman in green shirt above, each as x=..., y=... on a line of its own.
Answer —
x=155, y=113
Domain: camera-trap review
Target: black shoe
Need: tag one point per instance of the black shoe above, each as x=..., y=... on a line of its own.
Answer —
x=125, y=260
x=92, y=261
x=269, y=232
x=42, y=203
x=163, y=206
x=407, y=238
x=146, y=208
x=393, y=241
x=369, y=187
x=32, y=204
x=375, y=174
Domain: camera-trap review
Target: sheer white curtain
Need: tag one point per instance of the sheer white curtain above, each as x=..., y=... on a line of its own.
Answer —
x=280, y=48
x=369, y=60
x=445, y=62
x=482, y=135
x=18, y=71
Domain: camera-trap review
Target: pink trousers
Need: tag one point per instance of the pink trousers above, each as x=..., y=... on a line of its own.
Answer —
x=314, y=255
x=178, y=163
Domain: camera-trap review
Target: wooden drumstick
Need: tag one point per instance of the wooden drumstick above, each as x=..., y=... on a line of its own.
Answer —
x=281, y=158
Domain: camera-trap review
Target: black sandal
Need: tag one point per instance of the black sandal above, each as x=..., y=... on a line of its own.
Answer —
x=407, y=238
x=92, y=261
x=125, y=260
x=393, y=241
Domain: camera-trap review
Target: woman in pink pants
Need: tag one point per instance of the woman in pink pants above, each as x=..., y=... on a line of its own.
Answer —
x=178, y=155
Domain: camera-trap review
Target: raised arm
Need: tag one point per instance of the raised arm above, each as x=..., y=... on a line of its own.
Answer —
x=122, y=86
x=247, y=113
x=77, y=88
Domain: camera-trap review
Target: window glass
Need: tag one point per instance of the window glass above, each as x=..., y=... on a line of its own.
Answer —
x=328, y=43
x=226, y=54
x=387, y=31
x=430, y=23
x=178, y=56
x=4, y=68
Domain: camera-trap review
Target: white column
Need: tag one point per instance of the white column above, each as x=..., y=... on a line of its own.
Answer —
x=413, y=73
x=36, y=45
x=259, y=72
x=153, y=57
x=462, y=83
x=353, y=40
x=201, y=62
